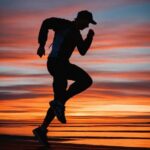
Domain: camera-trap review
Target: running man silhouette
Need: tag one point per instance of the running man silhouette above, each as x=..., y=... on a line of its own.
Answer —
x=67, y=37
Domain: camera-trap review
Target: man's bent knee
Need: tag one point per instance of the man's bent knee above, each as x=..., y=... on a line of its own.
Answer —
x=87, y=81
x=90, y=81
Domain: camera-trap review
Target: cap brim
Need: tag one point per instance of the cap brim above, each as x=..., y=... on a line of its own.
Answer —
x=93, y=22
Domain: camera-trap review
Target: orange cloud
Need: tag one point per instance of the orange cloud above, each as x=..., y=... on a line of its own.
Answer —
x=122, y=36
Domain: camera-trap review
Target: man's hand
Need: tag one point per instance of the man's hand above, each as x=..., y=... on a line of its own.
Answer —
x=41, y=51
x=91, y=33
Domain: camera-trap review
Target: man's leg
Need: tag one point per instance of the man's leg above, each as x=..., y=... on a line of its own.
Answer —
x=59, y=88
x=48, y=118
x=82, y=81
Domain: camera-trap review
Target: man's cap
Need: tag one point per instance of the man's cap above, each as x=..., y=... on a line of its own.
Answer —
x=84, y=14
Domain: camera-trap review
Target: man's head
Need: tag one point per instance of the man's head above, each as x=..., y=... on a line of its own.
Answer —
x=84, y=18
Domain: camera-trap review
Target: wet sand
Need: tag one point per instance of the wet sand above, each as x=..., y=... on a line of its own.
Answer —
x=9, y=142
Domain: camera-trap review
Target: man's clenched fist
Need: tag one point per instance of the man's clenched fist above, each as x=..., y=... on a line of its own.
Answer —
x=41, y=51
x=91, y=33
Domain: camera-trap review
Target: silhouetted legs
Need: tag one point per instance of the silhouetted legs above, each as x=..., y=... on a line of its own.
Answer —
x=82, y=82
x=61, y=73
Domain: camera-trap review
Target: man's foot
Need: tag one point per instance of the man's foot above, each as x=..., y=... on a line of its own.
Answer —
x=59, y=110
x=40, y=134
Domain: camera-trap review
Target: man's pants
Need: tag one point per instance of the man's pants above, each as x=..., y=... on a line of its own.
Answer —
x=62, y=71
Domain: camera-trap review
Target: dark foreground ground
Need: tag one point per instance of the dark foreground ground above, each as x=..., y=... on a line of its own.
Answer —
x=29, y=143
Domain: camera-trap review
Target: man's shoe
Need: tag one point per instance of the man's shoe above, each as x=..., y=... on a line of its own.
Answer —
x=40, y=134
x=59, y=110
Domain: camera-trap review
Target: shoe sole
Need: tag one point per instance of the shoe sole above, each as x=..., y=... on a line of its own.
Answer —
x=39, y=138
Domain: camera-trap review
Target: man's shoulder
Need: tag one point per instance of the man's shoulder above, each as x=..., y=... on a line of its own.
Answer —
x=59, y=20
x=59, y=23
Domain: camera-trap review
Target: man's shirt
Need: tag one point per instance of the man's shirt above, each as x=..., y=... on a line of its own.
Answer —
x=66, y=38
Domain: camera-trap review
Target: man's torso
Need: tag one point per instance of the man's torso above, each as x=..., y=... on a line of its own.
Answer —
x=65, y=40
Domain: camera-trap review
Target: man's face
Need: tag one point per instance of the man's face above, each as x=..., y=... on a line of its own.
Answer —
x=83, y=24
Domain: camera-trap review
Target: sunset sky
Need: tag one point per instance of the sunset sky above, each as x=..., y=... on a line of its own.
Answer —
x=118, y=60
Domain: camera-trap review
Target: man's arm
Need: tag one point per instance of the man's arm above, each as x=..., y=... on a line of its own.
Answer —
x=83, y=45
x=50, y=23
